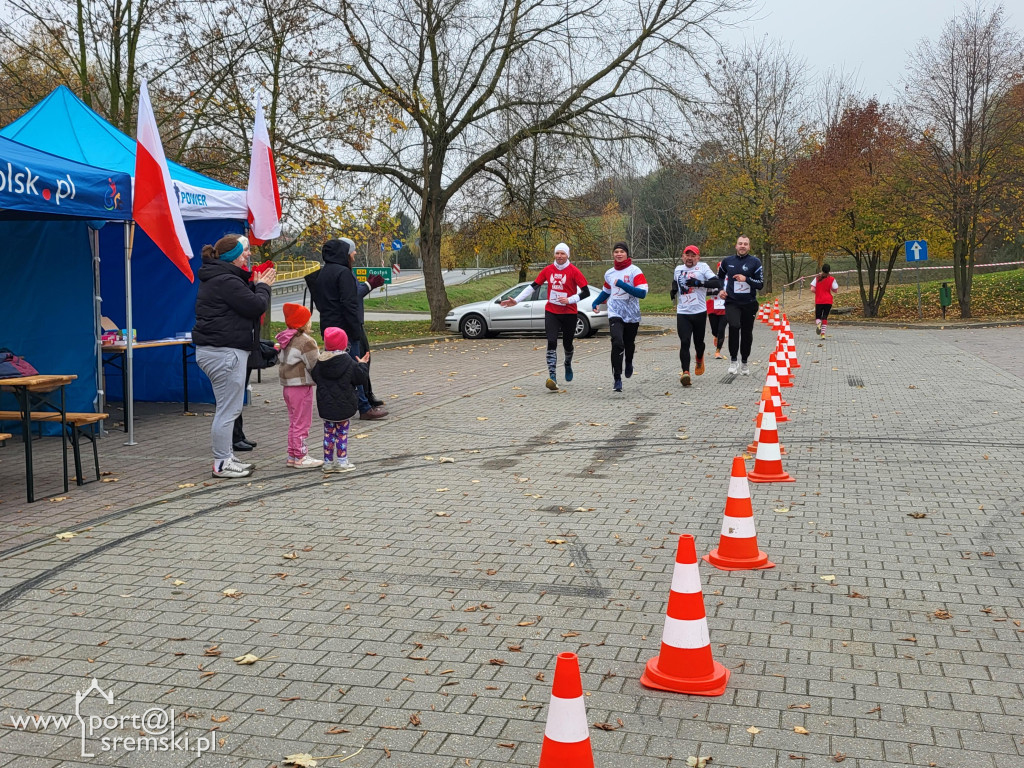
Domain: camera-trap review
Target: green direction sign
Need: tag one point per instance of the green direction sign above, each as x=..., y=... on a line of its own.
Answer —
x=364, y=272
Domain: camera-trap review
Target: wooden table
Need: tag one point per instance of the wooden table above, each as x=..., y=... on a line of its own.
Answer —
x=114, y=356
x=32, y=392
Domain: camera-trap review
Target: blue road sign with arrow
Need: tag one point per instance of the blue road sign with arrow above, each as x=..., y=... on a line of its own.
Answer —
x=396, y=245
x=917, y=250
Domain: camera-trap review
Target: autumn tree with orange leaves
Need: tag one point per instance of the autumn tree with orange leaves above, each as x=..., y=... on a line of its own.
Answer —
x=852, y=195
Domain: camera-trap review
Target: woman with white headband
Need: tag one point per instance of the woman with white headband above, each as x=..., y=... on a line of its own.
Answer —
x=227, y=308
x=566, y=286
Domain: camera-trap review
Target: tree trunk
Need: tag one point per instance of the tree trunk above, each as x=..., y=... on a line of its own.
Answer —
x=431, y=217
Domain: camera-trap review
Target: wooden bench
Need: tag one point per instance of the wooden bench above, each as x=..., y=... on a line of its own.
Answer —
x=4, y=437
x=77, y=423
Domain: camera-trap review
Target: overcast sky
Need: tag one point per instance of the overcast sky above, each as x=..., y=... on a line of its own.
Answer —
x=869, y=36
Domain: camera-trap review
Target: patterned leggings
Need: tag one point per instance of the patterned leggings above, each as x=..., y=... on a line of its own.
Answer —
x=335, y=440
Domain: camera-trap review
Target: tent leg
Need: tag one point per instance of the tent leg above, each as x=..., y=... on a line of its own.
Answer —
x=129, y=237
x=97, y=303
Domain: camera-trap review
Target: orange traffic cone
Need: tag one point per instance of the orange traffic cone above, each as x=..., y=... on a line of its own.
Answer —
x=685, y=664
x=737, y=548
x=765, y=405
x=772, y=381
x=782, y=366
x=777, y=321
x=567, y=734
x=768, y=461
x=791, y=352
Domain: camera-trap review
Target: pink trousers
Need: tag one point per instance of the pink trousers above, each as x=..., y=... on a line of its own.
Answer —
x=300, y=415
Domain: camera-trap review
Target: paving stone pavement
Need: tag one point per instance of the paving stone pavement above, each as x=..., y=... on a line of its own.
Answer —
x=414, y=608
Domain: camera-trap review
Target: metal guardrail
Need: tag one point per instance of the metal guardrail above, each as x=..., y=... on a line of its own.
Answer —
x=293, y=270
x=493, y=271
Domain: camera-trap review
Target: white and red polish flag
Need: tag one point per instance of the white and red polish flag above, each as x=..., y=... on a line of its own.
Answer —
x=154, y=204
x=262, y=196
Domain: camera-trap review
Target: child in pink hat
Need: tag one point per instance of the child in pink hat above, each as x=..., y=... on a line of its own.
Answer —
x=336, y=375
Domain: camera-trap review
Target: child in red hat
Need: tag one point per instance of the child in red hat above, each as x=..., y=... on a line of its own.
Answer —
x=296, y=358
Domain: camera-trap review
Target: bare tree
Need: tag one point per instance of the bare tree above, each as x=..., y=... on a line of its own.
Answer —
x=440, y=66
x=757, y=107
x=958, y=97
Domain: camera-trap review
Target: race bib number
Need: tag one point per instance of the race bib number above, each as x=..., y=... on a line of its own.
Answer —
x=554, y=296
x=719, y=304
x=739, y=287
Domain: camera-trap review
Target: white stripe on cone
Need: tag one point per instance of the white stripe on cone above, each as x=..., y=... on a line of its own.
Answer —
x=738, y=488
x=738, y=527
x=567, y=720
x=686, y=633
x=686, y=578
x=768, y=451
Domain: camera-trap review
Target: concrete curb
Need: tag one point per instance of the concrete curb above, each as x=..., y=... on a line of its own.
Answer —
x=933, y=326
x=644, y=331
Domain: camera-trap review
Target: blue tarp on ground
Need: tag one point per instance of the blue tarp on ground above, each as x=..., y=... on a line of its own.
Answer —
x=163, y=300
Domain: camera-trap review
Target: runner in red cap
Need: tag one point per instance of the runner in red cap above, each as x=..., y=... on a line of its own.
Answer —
x=690, y=282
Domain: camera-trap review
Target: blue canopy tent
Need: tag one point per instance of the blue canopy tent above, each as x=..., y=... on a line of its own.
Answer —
x=163, y=300
x=51, y=212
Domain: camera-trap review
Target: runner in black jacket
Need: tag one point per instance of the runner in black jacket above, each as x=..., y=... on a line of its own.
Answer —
x=742, y=277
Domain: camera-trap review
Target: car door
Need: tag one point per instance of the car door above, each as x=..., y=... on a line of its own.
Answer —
x=539, y=307
x=515, y=318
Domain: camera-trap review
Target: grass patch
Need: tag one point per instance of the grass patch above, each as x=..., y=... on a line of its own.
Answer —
x=995, y=295
x=377, y=330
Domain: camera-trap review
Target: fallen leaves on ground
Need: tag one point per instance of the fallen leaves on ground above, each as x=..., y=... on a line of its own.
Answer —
x=187, y=485
x=446, y=460
x=609, y=726
x=249, y=658
x=781, y=510
x=829, y=579
x=481, y=418
x=302, y=760
x=290, y=556
x=441, y=490
x=554, y=541
x=801, y=730
x=753, y=729
x=917, y=515
x=443, y=514
x=66, y=536
x=177, y=582
x=942, y=614
x=697, y=762
x=231, y=593
x=220, y=718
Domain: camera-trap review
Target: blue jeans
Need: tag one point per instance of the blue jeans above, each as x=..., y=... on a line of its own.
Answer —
x=355, y=349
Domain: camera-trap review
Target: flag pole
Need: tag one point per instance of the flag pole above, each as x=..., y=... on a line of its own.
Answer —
x=129, y=238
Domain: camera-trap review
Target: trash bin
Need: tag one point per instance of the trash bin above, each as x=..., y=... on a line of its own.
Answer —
x=945, y=298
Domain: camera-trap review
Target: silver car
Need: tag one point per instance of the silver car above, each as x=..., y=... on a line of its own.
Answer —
x=488, y=318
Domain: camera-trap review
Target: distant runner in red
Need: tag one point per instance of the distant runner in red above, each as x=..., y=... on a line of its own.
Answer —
x=824, y=287
x=566, y=286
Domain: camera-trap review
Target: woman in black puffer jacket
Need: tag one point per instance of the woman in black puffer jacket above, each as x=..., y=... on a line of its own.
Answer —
x=227, y=307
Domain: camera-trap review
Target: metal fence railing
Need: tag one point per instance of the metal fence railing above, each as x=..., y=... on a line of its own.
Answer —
x=292, y=270
x=847, y=278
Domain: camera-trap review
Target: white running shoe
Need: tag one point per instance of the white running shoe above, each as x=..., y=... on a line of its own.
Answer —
x=744, y=370
x=734, y=367
x=230, y=468
x=306, y=462
x=344, y=465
